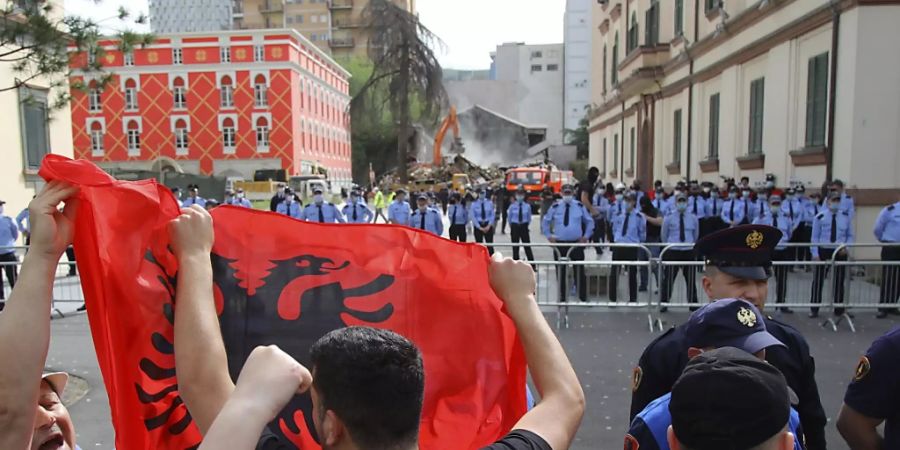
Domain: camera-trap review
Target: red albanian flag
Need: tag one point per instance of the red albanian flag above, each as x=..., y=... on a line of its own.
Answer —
x=286, y=282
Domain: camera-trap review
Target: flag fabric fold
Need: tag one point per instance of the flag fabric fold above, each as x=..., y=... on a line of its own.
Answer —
x=281, y=281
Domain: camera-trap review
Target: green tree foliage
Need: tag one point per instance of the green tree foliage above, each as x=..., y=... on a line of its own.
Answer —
x=580, y=138
x=36, y=38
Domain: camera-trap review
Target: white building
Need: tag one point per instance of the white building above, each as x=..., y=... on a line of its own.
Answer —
x=807, y=90
x=182, y=16
x=577, y=41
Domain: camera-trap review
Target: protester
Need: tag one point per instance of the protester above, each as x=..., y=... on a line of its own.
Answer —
x=31, y=415
x=350, y=412
x=726, y=398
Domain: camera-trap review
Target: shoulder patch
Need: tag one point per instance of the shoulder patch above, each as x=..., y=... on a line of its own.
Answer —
x=637, y=375
x=862, y=369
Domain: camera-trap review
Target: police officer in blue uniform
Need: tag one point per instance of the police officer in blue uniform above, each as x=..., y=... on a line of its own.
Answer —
x=777, y=218
x=887, y=231
x=426, y=218
x=846, y=204
x=519, y=214
x=616, y=208
x=660, y=202
x=176, y=191
x=194, y=198
x=733, y=208
x=712, y=221
x=9, y=233
x=601, y=207
x=738, y=265
x=289, y=206
x=696, y=203
x=356, y=210
x=873, y=397
x=236, y=198
x=321, y=211
x=681, y=226
x=569, y=222
x=399, y=211
x=459, y=217
x=628, y=228
x=484, y=218
x=831, y=228
x=729, y=323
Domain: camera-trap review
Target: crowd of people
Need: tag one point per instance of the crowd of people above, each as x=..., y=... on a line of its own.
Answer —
x=731, y=377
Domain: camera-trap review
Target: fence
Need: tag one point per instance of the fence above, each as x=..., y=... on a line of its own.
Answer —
x=67, y=295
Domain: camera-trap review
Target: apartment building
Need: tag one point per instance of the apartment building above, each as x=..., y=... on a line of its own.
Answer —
x=577, y=41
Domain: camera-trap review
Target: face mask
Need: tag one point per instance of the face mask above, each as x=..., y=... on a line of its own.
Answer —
x=659, y=191
x=601, y=191
x=745, y=194
x=706, y=190
x=401, y=198
x=629, y=206
x=681, y=206
x=619, y=197
x=775, y=208
x=354, y=198
x=240, y=195
x=567, y=198
x=520, y=198
x=732, y=195
x=423, y=207
x=318, y=198
x=475, y=196
x=833, y=206
x=770, y=184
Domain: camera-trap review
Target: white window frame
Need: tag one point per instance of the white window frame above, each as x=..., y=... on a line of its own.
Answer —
x=226, y=96
x=179, y=97
x=131, y=99
x=223, y=130
x=95, y=100
x=262, y=132
x=260, y=96
x=129, y=59
x=259, y=53
x=97, y=147
x=181, y=141
x=177, y=56
x=133, y=137
x=225, y=54
x=229, y=136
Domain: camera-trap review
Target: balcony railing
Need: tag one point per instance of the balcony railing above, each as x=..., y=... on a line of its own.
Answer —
x=340, y=4
x=345, y=23
x=342, y=42
x=270, y=7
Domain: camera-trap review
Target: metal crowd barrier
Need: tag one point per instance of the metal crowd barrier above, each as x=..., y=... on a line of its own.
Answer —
x=67, y=294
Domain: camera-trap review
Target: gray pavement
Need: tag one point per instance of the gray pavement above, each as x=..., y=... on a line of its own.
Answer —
x=603, y=344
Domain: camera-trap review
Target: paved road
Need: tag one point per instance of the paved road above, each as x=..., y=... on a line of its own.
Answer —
x=603, y=345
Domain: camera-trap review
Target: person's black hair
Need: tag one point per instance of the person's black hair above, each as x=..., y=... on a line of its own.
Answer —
x=593, y=175
x=374, y=382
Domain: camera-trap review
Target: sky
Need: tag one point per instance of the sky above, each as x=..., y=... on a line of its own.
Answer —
x=470, y=29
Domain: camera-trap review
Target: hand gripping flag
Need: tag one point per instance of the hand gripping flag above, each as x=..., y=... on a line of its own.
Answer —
x=286, y=282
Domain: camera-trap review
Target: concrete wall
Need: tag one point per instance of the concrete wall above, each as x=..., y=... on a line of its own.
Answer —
x=499, y=96
x=578, y=52
x=176, y=16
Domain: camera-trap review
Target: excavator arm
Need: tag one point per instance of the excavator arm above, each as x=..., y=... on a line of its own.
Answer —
x=449, y=123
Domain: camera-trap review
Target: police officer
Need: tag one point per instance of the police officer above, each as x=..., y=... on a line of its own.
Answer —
x=887, y=230
x=628, y=228
x=426, y=218
x=831, y=228
x=761, y=203
x=730, y=325
x=846, y=205
x=237, y=199
x=277, y=198
x=459, y=217
x=660, y=202
x=176, y=191
x=616, y=208
x=600, y=213
x=748, y=205
x=812, y=206
x=399, y=211
x=519, y=214
x=873, y=397
x=356, y=210
x=738, y=265
x=194, y=198
x=289, y=206
x=569, y=222
x=9, y=233
x=712, y=220
x=733, y=208
x=696, y=203
x=483, y=218
x=321, y=211
x=777, y=218
x=681, y=226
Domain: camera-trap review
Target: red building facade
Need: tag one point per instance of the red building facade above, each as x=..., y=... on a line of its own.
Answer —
x=220, y=103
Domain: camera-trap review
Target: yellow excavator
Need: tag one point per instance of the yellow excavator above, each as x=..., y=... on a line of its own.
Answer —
x=451, y=122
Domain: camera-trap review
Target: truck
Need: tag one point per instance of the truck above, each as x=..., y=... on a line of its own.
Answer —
x=267, y=182
x=305, y=186
x=536, y=178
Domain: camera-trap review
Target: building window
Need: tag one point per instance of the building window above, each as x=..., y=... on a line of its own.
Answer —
x=536, y=68
x=179, y=92
x=129, y=58
x=817, y=100
x=651, y=37
x=757, y=97
x=262, y=135
x=133, y=135
x=714, y=126
x=226, y=93
x=298, y=18
x=537, y=54
x=176, y=56
x=552, y=67
x=229, y=136
x=225, y=54
x=95, y=99
x=181, y=137
x=259, y=53
x=676, y=132
x=616, y=153
x=679, y=17
x=96, y=139
x=604, y=68
x=33, y=112
x=314, y=18
x=131, y=97
x=260, y=93
x=92, y=56
x=605, y=171
x=614, y=75
x=712, y=5
x=631, y=41
x=633, y=146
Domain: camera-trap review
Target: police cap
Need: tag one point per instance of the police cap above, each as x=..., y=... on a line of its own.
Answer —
x=317, y=190
x=567, y=188
x=520, y=189
x=422, y=197
x=744, y=251
x=729, y=323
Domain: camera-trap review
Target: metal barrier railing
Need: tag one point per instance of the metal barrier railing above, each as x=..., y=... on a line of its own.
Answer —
x=67, y=294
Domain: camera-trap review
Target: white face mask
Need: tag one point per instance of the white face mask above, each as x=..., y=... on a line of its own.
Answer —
x=318, y=198
x=354, y=199
x=834, y=206
x=240, y=195
x=732, y=195
x=619, y=197
x=745, y=194
x=423, y=207
x=681, y=206
x=770, y=184
x=520, y=197
x=567, y=198
x=775, y=209
x=706, y=190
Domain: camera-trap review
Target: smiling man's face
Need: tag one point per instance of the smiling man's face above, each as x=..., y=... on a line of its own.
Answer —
x=53, y=428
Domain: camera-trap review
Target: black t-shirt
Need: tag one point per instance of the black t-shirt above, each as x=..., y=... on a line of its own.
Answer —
x=585, y=186
x=515, y=440
x=653, y=231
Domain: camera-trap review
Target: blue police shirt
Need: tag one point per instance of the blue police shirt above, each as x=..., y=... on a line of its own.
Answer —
x=601, y=204
x=458, y=214
x=199, y=201
x=671, y=229
x=23, y=220
x=482, y=212
x=821, y=232
x=580, y=224
x=714, y=205
x=616, y=208
x=363, y=213
x=430, y=221
x=847, y=204
x=875, y=389
x=662, y=205
x=294, y=209
x=399, y=212
x=697, y=206
x=793, y=208
x=637, y=228
x=785, y=224
x=812, y=210
x=242, y=202
x=650, y=427
x=8, y=235
x=887, y=226
x=733, y=211
x=329, y=213
x=519, y=208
